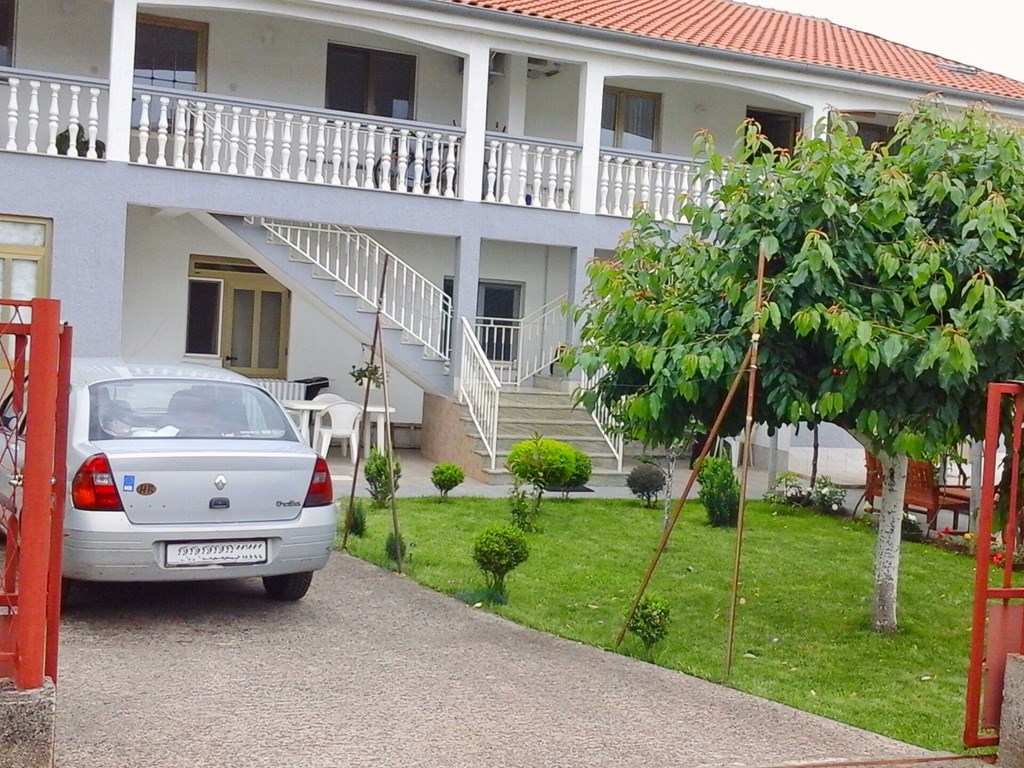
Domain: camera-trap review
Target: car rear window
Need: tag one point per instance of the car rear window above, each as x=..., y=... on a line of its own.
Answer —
x=183, y=408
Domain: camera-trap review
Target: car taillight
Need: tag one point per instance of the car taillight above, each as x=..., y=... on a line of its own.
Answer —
x=320, y=492
x=93, y=486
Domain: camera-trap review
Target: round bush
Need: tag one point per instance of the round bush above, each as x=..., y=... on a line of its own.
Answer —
x=581, y=471
x=542, y=462
x=445, y=477
x=651, y=619
x=646, y=481
x=497, y=551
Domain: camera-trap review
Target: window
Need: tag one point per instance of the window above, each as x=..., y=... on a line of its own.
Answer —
x=874, y=133
x=370, y=82
x=170, y=53
x=629, y=120
x=780, y=128
x=24, y=257
x=6, y=33
x=202, y=328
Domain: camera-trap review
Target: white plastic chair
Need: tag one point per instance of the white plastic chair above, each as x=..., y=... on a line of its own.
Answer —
x=344, y=418
x=324, y=399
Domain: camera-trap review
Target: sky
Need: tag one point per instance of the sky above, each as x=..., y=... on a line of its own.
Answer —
x=983, y=33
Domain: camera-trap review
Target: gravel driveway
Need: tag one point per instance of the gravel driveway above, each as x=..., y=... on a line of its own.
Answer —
x=372, y=670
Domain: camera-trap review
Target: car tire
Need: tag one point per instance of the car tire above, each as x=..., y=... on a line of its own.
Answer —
x=68, y=588
x=288, y=587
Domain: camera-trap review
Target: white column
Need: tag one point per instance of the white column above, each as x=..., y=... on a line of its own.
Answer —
x=578, y=282
x=467, y=280
x=474, y=120
x=517, y=80
x=588, y=123
x=122, y=70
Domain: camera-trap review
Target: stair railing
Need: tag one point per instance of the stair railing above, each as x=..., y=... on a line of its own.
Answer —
x=480, y=390
x=356, y=260
x=604, y=419
x=523, y=347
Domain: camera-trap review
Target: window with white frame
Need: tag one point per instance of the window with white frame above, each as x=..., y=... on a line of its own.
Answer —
x=629, y=120
x=24, y=257
x=7, y=33
x=370, y=82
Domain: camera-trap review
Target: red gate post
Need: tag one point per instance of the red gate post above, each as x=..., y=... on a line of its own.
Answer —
x=58, y=496
x=35, y=525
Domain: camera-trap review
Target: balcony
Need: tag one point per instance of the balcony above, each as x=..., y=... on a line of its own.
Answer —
x=49, y=113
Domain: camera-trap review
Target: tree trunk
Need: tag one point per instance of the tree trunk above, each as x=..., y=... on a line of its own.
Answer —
x=887, y=550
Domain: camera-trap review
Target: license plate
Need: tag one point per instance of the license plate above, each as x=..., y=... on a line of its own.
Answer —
x=216, y=552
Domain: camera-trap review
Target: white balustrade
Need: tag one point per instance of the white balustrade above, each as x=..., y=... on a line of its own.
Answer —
x=44, y=114
x=480, y=390
x=522, y=347
x=656, y=182
x=356, y=261
x=528, y=172
x=222, y=135
x=604, y=418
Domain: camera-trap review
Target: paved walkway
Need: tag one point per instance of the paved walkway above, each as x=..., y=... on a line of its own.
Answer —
x=373, y=670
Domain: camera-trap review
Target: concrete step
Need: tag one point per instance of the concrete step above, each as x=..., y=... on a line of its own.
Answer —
x=519, y=397
x=599, y=478
x=600, y=461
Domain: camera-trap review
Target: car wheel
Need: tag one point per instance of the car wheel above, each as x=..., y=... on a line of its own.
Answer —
x=289, y=586
x=67, y=593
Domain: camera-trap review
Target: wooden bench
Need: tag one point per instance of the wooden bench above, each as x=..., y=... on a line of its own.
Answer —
x=923, y=494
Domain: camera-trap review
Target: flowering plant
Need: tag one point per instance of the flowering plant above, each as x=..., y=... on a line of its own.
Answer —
x=823, y=496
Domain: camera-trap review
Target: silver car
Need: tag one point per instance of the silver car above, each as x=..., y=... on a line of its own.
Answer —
x=187, y=472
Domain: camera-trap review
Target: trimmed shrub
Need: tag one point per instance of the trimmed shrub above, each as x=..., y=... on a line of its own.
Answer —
x=719, y=492
x=581, y=471
x=380, y=484
x=354, y=524
x=445, y=477
x=497, y=551
x=646, y=482
x=393, y=547
x=542, y=462
x=651, y=620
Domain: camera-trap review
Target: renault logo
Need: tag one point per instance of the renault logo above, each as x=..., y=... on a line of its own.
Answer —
x=220, y=482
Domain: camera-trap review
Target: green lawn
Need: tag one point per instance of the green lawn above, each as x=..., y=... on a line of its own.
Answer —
x=803, y=635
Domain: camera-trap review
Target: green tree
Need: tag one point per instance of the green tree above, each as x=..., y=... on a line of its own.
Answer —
x=893, y=294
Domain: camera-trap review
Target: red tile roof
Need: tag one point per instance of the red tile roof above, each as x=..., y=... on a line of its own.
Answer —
x=731, y=26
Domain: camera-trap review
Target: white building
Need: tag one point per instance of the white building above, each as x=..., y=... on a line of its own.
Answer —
x=170, y=171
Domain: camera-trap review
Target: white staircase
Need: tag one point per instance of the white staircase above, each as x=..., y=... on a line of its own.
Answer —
x=524, y=413
x=339, y=270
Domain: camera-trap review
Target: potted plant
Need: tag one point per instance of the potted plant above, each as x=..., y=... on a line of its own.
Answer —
x=912, y=530
x=368, y=372
x=63, y=142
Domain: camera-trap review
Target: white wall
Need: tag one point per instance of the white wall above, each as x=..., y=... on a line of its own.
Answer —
x=83, y=32
x=551, y=105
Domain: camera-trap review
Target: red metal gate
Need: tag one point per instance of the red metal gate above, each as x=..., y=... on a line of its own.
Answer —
x=998, y=623
x=33, y=451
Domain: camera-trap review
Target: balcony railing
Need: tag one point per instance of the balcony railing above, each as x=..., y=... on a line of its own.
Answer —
x=202, y=132
x=530, y=172
x=657, y=182
x=51, y=114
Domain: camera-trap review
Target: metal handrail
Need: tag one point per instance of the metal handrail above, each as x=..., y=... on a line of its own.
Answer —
x=356, y=260
x=480, y=390
x=604, y=419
